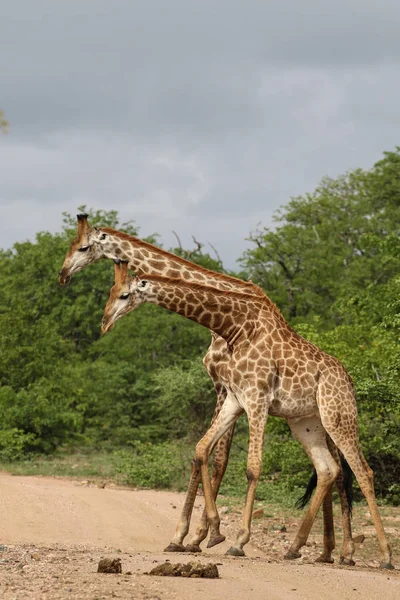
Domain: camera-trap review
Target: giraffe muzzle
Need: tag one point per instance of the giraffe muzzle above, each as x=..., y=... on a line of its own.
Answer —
x=106, y=324
x=64, y=278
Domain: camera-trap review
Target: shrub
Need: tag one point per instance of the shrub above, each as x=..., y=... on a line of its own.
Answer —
x=15, y=444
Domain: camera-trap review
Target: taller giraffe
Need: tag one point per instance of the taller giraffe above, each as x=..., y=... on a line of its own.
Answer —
x=94, y=243
x=271, y=370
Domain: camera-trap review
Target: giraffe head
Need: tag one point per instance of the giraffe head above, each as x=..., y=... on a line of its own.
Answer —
x=90, y=245
x=125, y=295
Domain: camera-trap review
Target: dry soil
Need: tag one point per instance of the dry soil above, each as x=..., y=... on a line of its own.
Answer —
x=53, y=532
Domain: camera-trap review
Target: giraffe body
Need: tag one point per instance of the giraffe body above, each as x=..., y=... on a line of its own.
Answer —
x=270, y=370
x=93, y=244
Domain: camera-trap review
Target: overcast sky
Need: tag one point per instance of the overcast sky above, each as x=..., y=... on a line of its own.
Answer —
x=199, y=116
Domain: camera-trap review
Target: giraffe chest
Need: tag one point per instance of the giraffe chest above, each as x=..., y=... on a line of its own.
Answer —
x=217, y=359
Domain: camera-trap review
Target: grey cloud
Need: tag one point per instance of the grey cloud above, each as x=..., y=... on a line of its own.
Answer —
x=199, y=117
x=205, y=60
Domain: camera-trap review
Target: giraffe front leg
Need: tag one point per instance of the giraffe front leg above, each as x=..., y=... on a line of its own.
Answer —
x=228, y=415
x=182, y=527
x=257, y=424
x=183, y=524
x=220, y=463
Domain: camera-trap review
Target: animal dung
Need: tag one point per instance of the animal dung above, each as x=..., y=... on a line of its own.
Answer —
x=191, y=569
x=109, y=565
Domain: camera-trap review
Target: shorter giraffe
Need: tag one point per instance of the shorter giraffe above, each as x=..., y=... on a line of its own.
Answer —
x=272, y=370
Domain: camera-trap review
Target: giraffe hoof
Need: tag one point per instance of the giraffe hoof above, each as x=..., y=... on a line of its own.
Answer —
x=215, y=540
x=324, y=559
x=349, y=562
x=192, y=548
x=387, y=565
x=235, y=551
x=292, y=555
x=174, y=548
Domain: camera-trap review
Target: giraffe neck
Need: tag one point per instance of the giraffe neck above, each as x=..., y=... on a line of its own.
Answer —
x=145, y=258
x=227, y=314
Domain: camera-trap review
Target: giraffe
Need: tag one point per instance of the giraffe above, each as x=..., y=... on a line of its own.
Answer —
x=92, y=244
x=271, y=370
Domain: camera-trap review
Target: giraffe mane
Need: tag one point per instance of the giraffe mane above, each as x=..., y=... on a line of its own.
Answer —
x=201, y=287
x=183, y=261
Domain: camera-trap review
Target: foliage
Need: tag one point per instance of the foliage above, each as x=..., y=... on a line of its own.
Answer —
x=332, y=266
x=164, y=465
x=60, y=380
x=330, y=243
x=15, y=444
x=187, y=386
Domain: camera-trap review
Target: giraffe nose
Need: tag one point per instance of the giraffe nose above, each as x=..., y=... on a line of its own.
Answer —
x=106, y=325
x=63, y=278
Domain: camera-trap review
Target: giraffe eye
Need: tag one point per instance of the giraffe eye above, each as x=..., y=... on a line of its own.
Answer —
x=83, y=248
x=125, y=296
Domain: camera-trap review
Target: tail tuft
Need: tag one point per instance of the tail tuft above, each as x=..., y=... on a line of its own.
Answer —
x=312, y=484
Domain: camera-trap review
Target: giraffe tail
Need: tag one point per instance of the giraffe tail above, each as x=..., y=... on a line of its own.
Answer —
x=305, y=498
x=347, y=482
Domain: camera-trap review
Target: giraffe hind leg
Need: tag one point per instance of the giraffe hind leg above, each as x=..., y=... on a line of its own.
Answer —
x=311, y=434
x=351, y=450
x=338, y=410
x=329, y=530
x=344, y=483
x=329, y=534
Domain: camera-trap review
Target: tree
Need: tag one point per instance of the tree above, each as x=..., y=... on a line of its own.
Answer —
x=322, y=247
x=332, y=265
x=53, y=358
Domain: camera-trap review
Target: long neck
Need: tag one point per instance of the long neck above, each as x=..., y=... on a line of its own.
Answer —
x=145, y=259
x=226, y=314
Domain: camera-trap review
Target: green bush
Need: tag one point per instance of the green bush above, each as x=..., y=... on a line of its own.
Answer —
x=331, y=265
x=159, y=466
x=15, y=444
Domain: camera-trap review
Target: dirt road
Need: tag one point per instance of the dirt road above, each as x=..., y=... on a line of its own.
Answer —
x=53, y=533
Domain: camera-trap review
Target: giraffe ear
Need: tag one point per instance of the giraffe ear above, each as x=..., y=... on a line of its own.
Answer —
x=82, y=223
x=120, y=270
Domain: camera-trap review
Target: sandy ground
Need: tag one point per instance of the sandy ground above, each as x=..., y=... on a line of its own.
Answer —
x=53, y=532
